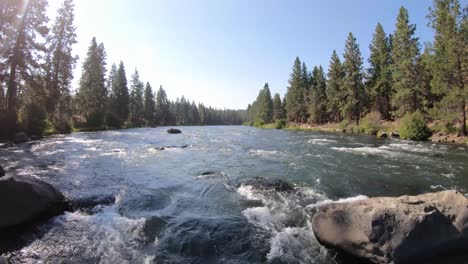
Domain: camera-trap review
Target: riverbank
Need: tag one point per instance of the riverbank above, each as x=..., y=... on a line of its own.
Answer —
x=386, y=129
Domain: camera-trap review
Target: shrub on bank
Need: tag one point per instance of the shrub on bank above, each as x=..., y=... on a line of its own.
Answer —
x=370, y=124
x=258, y=123
x=279, y=124
x=414, y=126
x=32, y=119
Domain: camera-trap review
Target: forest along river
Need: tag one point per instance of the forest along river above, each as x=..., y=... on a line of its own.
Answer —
x=169, y=210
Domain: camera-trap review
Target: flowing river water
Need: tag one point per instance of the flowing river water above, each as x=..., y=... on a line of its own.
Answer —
x=195, y=202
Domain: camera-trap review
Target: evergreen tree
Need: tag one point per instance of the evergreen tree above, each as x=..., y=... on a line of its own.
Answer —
x=407, y=97
x=265, y=108
x=23, y=29
x=318, y=97
x=136, y=100
x=163, y=116
x=307, y=80
x=61, y=41
x=121, y=98
x=450, y=51
x=278, y=112
x=92, y=92
x=150, y=107
x=355, y=94
x=380, y=80
x=335, y=92
x=295, y=101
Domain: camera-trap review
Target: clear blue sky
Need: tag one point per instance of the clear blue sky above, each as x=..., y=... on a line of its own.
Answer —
x=221, y=52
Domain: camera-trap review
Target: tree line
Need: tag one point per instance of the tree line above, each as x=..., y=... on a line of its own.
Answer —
x=36, y=72
x=401, y=79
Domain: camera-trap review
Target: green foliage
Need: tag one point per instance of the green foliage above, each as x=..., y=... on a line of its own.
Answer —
x=355, y=94
x=136, y=100
x=278, y=108
x=92, y=93
x=318, y=97
x=296, y=108
x=370, y=124
x=258, y=123
x=407, y=97
x=344, y=124
x=279, y=124
x=414, y=126
x=262, y=108
x=379, y=81
x=33, y=119
x=335, y=93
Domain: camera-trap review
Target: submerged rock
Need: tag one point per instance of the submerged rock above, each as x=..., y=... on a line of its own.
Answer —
x=20, y=138
x=174, y=131
x=25, y=199
x=269, y=184
x=406, y=229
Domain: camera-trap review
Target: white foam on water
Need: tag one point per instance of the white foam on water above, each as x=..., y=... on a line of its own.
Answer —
x=411, y=147
x=342, y=200
x=321, y=141
x=284, y=216
x=264, y=153
x=450, y=175
x=381, y=150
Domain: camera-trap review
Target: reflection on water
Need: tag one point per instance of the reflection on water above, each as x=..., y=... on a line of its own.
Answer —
x=188, y=198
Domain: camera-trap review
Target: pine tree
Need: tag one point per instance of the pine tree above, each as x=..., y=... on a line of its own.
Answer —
x=23, y=29
x=380, y=79
x=120, y=97
x=450, y=51
x=353, y=86
x=150, y=107
x=278, y=112
x=318, y=97
x=407, y=97
x=163, y=116
x=295, y=101
x=307, y=80
x=136, y=100
x=92, y=93
x=62, y=61
x=335, y=92
x=265, y=111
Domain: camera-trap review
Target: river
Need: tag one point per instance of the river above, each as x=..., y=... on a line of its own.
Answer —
x=168, y=209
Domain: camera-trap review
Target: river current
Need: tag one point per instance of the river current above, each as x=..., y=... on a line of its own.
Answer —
x=190, y=198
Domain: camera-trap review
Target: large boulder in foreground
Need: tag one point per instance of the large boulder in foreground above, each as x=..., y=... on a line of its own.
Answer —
x=25, y=199
x=406, y=229
x=174, y=131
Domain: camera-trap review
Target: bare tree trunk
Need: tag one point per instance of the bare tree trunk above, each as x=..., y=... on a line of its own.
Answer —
x=463, y=127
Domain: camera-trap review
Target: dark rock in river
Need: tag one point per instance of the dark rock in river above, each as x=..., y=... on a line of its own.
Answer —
x=269, y=184
x=174, y=131
x=394, y=135
x=24, y=199
x=383, y=135
x=86, y=204
x=20, y=138
x=406, y=229
x=2, y=171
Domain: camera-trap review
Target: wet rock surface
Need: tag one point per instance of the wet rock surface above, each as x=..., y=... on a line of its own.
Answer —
x=174, y=131
x=406, y=229
x=25, y=199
